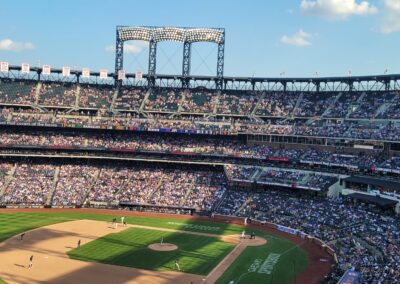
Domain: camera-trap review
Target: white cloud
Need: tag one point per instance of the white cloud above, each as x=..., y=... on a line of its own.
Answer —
x=10, y=45
x=391, y=17
x=337, y=9
x=301, y=38
x=132, y=48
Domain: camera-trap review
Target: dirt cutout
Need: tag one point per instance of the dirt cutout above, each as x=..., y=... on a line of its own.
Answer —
x=163, y=247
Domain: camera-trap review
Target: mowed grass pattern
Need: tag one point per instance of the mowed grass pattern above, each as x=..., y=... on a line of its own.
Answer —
x=12, y=224
x=293, y=259
x=196, y=254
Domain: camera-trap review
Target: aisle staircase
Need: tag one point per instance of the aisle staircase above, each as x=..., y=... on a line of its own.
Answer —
x=146, y=97
x=260, y=99
x=52, y=190
x=89, y=189
x=114, y=98
x=332, y=104
x=220, y=201
x=187, y=194
x=78, y=96
x=8, y=180
x=37, y=92
x=157, y=187
x=299, y=100
x=215, y=107
x=243, y=206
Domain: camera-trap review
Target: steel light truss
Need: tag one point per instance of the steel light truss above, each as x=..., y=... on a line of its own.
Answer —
x=158, y=34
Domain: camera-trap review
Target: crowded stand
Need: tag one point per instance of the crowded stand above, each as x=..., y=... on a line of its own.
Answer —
x=94, y=97
x=5, y=170
x=232, y=202
x=312, y=105
x=341, y=105
x=173, y=188
x=236, y=104
x=208, y=190
x=279, y=104
x=273, y=175
x=280, y=177
x=72, y=185
x=392, y=164
x=57, y=95
x=163, y=101
x=30, y=186
x=17, y=92
x=333, y=129
x=367, y=106
x=199, y=102
x=108, y=184
x=391, y=109
x=140, y=186
x=200, y=145
x=129, y=99
x=337, y=105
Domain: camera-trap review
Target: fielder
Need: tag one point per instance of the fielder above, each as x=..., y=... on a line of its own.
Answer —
x=30, y=262
x=177, y=264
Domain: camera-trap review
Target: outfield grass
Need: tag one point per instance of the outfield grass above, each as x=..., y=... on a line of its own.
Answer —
x=246, y=268
x=196, y=254
x=2, y=282
x=292, y=260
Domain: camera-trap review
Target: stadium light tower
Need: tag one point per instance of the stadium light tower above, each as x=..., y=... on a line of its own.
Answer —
x=157, y=34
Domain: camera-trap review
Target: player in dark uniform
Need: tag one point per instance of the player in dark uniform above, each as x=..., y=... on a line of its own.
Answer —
x=30, y=262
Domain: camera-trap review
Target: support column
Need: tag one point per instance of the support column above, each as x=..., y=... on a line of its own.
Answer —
x=186, y=64
x=152, y=63
x=220, y=65
x=119, y=59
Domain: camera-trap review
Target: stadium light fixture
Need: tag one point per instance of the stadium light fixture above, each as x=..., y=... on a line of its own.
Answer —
x=171, y=33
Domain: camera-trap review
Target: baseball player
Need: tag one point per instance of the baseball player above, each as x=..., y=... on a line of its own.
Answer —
x=30, y=262
x=177, y=264
x=79, y=243
x=243, y=236
x=122, y=220
x=22, y=236
x=114, y=222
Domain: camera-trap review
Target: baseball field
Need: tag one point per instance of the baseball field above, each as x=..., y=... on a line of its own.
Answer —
x=202, y=250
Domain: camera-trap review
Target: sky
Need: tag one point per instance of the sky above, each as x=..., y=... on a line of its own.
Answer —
x=263, y=38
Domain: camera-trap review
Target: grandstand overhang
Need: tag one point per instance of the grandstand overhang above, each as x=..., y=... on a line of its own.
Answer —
x=387, y=82
x=186, y=35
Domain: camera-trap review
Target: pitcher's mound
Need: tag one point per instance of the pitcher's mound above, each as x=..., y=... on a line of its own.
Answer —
x=163, y=247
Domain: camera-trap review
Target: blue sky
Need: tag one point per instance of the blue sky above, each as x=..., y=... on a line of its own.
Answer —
x=263, y=38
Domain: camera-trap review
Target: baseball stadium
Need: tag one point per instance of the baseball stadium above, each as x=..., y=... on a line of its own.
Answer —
x=121, y=176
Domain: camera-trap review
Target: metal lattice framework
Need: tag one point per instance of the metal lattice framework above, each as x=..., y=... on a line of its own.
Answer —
x=186, y=35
